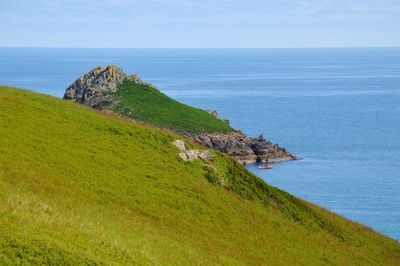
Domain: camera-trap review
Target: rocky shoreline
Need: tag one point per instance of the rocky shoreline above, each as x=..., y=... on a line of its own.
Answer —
x=244, y=149
x=97, y=88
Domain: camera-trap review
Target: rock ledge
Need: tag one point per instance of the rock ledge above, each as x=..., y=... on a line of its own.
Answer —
x=244, y=149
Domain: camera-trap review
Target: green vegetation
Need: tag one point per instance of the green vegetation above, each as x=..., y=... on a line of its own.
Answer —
x=81, y=187
x=145, y=103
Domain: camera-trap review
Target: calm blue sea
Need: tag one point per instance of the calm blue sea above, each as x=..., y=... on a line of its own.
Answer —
x=339, y=109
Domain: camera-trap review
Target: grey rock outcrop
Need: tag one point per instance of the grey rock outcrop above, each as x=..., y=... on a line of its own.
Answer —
x=180, y=144
x=215, y=114
x=244, y=149
x=96, y=89
x=192, y=155
x=206, y=156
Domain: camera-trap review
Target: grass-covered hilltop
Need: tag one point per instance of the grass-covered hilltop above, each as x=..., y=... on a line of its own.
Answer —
x=127, y=95
x=79, y=187
x=110, y=88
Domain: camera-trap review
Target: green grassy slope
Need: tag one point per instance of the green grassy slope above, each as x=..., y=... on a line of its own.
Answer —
x=145, y=103
x=80, y=187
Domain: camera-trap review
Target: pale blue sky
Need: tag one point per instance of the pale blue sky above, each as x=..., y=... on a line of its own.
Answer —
x=195, y=23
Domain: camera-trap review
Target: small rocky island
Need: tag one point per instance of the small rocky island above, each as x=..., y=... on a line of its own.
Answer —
x=100, y=89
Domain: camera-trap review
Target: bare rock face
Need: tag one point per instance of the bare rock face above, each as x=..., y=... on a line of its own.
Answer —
x=267, y=151
x=192, y=155
x=96, y=88
x=231, y=143
x=243, y=149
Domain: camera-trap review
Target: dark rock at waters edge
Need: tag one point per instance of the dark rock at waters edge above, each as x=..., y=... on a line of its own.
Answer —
x=97, y=89
x=244, y=149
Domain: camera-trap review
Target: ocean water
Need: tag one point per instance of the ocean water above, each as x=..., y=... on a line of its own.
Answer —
x=338, y=109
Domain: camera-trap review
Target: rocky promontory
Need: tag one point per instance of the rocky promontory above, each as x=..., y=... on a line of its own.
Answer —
x=98, y=88
x=244, y=149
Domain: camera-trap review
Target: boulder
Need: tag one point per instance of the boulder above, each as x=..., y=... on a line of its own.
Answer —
x=206, y=156
x=183, y=156
x=180, y=144
x=190, y=155
x=214, y=113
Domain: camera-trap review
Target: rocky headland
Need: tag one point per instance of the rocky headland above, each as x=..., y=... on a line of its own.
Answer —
x=97, y=89
x=242, y=148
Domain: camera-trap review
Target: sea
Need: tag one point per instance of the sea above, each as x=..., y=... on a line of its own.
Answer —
x=338, y=109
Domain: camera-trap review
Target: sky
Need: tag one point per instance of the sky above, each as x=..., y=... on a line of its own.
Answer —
x=199, y=23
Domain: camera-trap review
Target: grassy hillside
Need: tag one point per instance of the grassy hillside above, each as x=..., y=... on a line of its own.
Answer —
x=145, y=103
x=79, y=187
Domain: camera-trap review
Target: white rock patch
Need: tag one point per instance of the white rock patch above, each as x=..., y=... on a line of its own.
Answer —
x=180, y=144
x=192, y=155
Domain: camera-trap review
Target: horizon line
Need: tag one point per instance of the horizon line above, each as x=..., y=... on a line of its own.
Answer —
x=196, y=48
